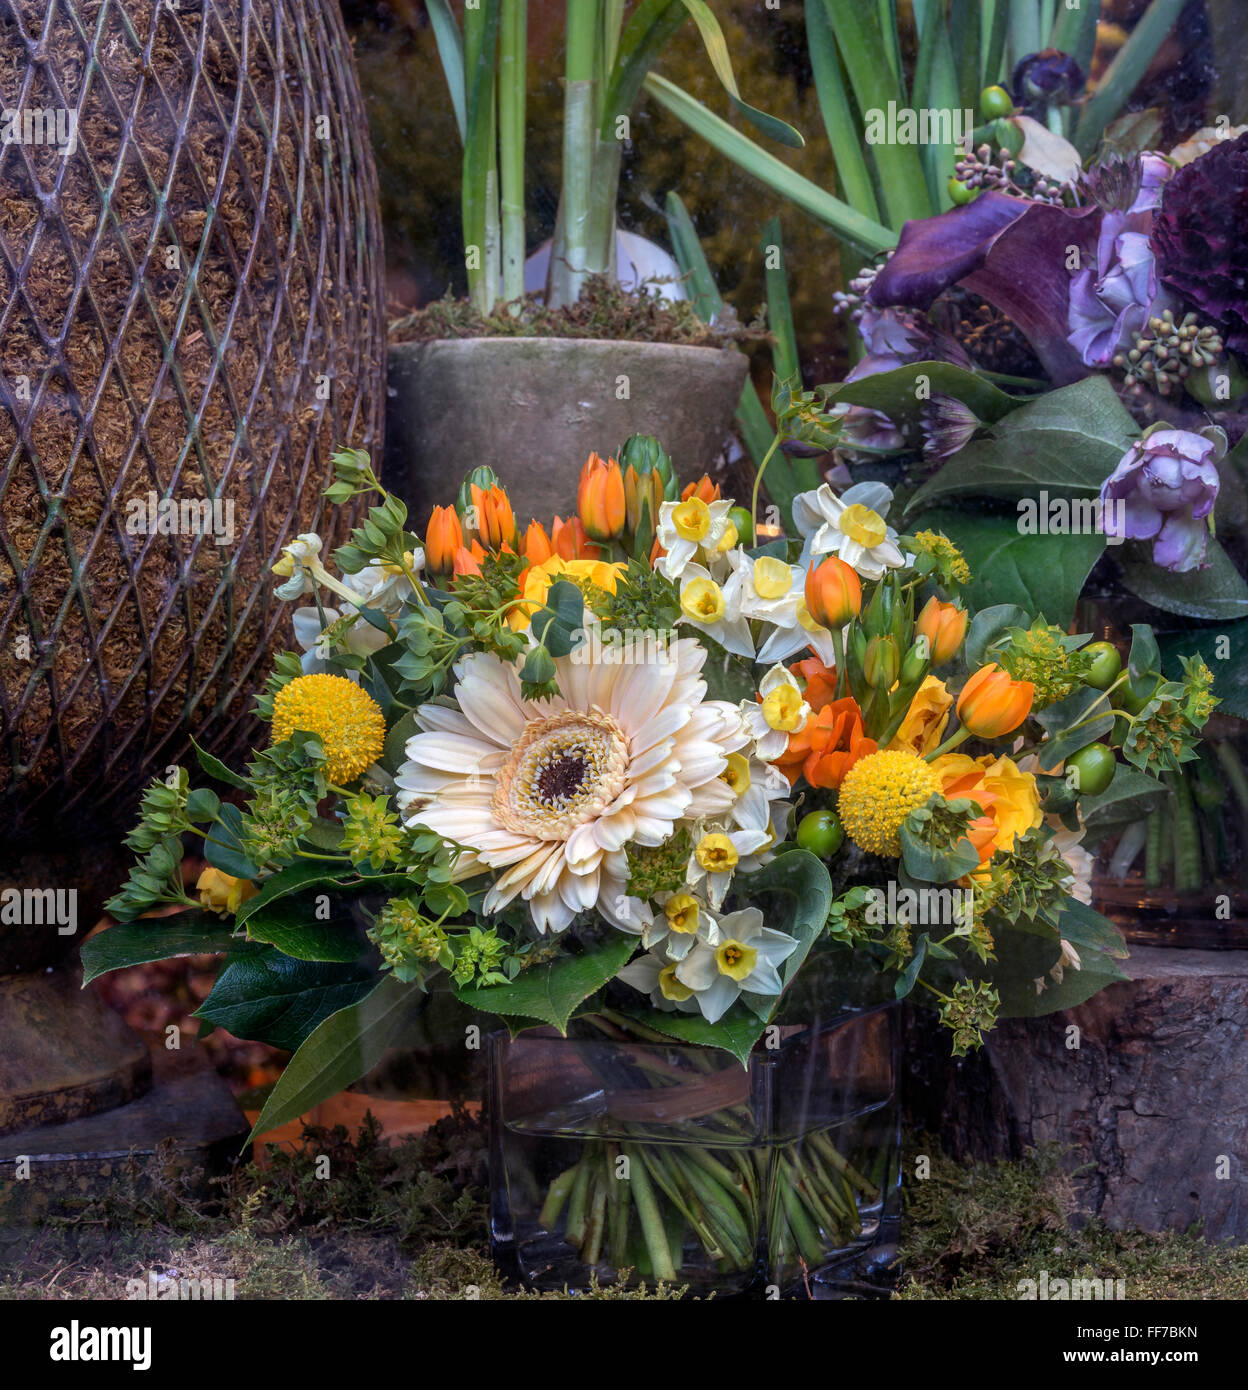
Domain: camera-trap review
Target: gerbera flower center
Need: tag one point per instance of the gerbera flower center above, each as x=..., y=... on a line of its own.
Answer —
x=863, y=525
x=565, y=770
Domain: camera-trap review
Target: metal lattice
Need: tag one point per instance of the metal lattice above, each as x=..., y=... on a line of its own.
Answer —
x=192, y=308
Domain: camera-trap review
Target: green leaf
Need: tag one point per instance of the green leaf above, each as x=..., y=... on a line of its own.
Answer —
x=1059, y=721
x=292, y=926
x=904, y=393
x=191, y=933
x=847, y=222
x=1065, y=443
x=310, y=874
x=214, y=767
x=223, y=848
x=931, y=865
x=909, y=977
x=844, y=130
x=394, y=751
x=555, y=625
x=737, y=1031
x=1216, y=592
x=1040, y=574
x=264, y=995
x=989, y=624
x=1129, y=796
x=451, y=54
x=339, y=1050
x=1130, y=64
x=551, y=993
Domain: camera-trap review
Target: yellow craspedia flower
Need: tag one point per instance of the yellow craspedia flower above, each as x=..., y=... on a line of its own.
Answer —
x=877, y=795
x=348, y=720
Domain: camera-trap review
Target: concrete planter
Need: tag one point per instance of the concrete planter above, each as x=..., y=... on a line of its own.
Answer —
x=535, y=408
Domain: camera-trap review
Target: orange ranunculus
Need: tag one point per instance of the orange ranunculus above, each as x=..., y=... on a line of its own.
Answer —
x=1004, y=792
x=535, y=544
x=827, y=745
x=443, y=537
x=600, y=499
x=991, y=704
x=820, y=681
x=833, y=593
x=923, y=727
x=468, y=560
x=492, y=520
x=569, y=541
x=944, y=626
x=704, y=489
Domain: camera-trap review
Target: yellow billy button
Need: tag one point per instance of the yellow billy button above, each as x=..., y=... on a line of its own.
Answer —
x=772, y=577
x=671, y=988
x=716, y=854
x=735, y=959
x=863, y=525
x=737, y=773
x=782, y=708
x=681, y=911
x=702, y=601
x=692, y=519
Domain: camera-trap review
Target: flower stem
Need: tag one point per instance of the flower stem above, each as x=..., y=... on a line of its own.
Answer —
x=950, y=743
x=758, y=478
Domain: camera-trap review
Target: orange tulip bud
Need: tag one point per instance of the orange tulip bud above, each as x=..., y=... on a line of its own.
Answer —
x=600, y=499
x=569, y=541
x=443, y=537
x=490, y=519
x=642, y=488
x=833, y=593
x=468, y=561
x=944, y=626
x=704, y=489
x=535, y=546
x=991, y=704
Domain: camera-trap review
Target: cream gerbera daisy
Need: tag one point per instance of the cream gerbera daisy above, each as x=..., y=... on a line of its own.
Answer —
x=548, y=793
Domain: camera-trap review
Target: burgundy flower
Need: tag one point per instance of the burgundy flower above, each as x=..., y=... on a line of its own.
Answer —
x=1199, y=240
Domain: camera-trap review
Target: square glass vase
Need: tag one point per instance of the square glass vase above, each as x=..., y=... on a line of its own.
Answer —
x=674, y=1162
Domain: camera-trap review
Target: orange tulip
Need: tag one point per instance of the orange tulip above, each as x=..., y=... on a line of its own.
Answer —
x=535, y=545
x=833, y=593
x=991, y=704
x=443, y=537
x=468, y=561
x=820, y=681
x=827, y=745
x=492, y=520
x=600, y=499
x=944, y=626
x=703, y=488
x=569, y=541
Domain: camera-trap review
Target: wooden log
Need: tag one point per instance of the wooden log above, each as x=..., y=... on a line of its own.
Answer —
x=1146, y=1084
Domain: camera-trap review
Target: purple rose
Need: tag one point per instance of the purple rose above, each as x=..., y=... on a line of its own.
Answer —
x=1162, y=491
x=1111, y=303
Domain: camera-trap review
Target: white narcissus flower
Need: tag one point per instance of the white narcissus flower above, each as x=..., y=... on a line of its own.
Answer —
x=851, y=526
x=655, y=975
x=300, y=562
x=747, y=957
x=714, y=610
x=682, y=920
x=718, y=848
x=378, y=586
x=547, y=793
x=690, y=530
x=780, y=711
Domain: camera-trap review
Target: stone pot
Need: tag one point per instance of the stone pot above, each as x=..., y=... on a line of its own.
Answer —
x=536, y=408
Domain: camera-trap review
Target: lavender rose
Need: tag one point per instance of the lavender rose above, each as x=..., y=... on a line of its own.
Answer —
x=1163, y=491
x=1111, y=303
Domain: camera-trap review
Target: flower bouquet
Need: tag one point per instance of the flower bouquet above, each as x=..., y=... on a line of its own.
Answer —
x=694, y=801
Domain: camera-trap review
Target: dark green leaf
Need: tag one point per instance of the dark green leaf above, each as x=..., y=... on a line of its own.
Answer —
x=1216, y=592
x=223, y=848
x=190, y=933
x=551, y=993
x=214, y=767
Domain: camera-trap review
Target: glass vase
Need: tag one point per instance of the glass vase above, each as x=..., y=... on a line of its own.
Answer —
x=668, y=1161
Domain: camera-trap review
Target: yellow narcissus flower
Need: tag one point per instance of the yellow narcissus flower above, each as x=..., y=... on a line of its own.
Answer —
x=222, y=892
x=599, y=574
x=923, y=727
x=877, y=795
x=347, y=719
x=1006, y=794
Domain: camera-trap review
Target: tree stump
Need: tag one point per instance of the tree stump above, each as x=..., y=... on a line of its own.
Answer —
x=1146, y=1084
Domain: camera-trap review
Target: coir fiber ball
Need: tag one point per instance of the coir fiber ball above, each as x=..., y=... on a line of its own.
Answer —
x=191, y=321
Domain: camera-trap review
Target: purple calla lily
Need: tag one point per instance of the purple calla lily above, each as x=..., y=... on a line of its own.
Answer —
x=1163, y=491
x=1013, y=252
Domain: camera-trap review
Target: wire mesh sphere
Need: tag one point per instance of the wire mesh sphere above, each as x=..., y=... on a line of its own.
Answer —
x=191, y=320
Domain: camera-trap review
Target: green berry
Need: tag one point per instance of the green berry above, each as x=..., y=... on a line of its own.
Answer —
x=961, y=193
x=821, y=833
x=995, y=102
x=1094, y=766
x=1106, y=664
